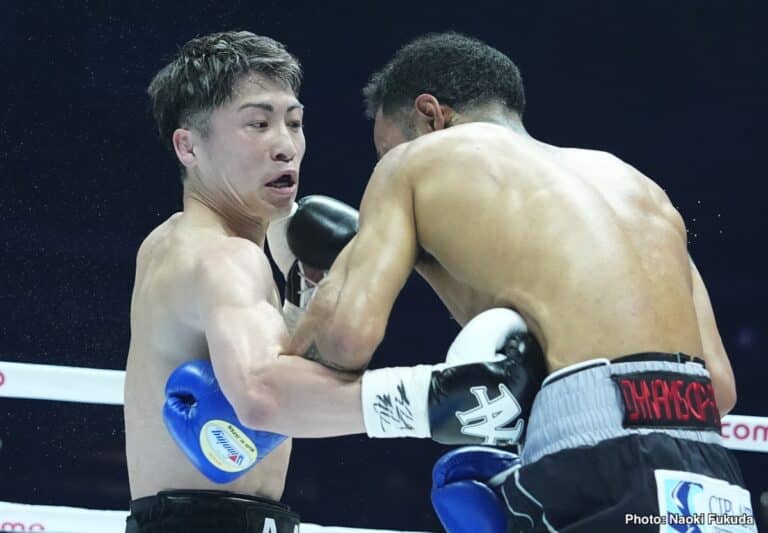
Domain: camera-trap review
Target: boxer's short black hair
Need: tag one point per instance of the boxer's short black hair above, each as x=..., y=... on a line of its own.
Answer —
x=204, y=74
x=458, y=70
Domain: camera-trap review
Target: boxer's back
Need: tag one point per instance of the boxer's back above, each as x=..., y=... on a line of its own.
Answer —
x=165, y=333
x=586, y=248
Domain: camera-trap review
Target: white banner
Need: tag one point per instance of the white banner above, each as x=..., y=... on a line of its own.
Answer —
x=18, y=517
x=745, y=433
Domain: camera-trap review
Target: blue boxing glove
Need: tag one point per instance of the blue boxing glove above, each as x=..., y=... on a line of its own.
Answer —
x=463, y=483
x=204, y=425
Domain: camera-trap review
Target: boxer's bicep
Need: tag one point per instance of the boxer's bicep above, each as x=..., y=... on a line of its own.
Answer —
x=243, y=330
x=712, y=345
x=385, y=248
x=375, y=266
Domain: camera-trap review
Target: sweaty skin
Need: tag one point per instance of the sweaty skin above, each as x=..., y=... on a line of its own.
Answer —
x=204, y=288
x=168, y=329
x=587, y=249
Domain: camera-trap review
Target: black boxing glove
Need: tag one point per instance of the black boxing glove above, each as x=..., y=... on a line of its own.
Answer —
x=482, y=394
x=320, y=229
x=305, y=244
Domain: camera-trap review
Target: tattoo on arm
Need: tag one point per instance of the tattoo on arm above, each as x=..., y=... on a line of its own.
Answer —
x=313, y=354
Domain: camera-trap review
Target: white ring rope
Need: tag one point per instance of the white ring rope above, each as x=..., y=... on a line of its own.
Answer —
x=63, y=383
x=93, y=385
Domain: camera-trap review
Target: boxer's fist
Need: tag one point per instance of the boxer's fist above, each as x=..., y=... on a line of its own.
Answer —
x=204, y=425
x=485, y=391
x=320, y=229
x=464, y=483
x=305, y=244
x=482, y=394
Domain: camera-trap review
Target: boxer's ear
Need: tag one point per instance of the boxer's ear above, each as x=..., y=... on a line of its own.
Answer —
x=184, y=146
x=430, y=114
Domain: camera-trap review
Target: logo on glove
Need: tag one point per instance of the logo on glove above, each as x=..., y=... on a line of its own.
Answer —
x=226, y=447
x=488, y=420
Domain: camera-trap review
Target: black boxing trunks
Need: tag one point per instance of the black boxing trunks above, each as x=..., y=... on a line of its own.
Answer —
x=192, y=511
x=631, y=444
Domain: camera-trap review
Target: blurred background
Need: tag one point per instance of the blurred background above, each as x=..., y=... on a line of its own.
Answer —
x=677, y=89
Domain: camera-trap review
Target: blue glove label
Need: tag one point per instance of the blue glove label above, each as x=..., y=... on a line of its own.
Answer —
x=226, y=447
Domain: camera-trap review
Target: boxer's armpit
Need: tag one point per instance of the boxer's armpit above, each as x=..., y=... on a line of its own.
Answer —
x=424, y=258
x=313, y=354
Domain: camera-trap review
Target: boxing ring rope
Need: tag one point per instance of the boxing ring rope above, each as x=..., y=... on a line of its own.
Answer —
x=85, y=385
x=99, y=386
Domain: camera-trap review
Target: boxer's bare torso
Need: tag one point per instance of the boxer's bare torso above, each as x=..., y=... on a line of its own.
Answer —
x=587, y=249
x=165, y=332
x=590, y=251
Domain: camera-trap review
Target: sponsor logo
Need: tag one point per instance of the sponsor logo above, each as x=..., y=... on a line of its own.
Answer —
x=226, y=447
x=232, y=453
x=681, y=500
x=488, y=420
x=21, y=526
x=668, y=399
x=694, y=503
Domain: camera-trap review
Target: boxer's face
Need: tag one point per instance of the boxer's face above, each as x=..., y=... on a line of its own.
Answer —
x=254, y=147
x=386, y=134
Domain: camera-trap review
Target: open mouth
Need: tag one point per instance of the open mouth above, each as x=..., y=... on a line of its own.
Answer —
x=282, y=182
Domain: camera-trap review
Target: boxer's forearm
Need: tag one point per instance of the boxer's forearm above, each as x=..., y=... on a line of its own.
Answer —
x=335, y=335
x=300, y=398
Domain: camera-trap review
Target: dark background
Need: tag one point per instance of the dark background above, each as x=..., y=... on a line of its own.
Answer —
x=675, y=88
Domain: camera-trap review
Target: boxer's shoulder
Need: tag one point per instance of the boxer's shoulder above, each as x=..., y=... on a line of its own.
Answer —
x=597, y=162
x=235, y=250
x=476, y=144
x=615, y=174
x=179, y=247
x=234, y=262
x=176, y=259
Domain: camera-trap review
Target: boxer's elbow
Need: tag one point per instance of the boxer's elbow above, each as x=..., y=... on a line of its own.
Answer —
x=257, y=405
x=352, y=343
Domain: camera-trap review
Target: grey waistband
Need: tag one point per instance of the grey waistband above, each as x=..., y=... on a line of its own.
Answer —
x=585, y=408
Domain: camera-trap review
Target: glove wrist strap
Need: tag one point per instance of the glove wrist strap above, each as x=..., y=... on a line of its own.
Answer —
x=292, y=313
x=395, y=402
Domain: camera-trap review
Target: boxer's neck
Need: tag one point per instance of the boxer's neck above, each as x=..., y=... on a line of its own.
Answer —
x=493, y=113
x=233, y=219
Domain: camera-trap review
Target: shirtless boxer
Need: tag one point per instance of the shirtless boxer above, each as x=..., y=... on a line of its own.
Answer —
x=227, y=107
x=588, y=250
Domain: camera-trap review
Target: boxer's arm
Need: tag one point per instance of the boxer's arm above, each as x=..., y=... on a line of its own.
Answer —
x=242, y=328
x=306, y=400
x=714, y=352
x=245, y=333
x=347, y=317
x=456, y=296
